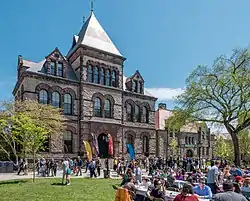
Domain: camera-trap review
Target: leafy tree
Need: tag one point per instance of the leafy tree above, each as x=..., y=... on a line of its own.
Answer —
x=29, y=135
x=222, y=148
x=220, y=95
x=8, y=146
x=244, y=143
x=45, y=116
x=174, y=145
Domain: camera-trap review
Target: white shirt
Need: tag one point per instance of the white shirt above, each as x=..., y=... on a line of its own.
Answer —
x=65, y=165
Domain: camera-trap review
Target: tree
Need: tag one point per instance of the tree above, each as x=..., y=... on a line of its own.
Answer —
x=222, y=148
x=244, y=143
x=8, y=146
x=29, y=135
x=45, y=116
x=7, y=141
x=220, y=95
x=174, y=145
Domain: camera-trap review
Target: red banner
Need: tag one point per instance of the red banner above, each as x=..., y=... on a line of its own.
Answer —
x=111, y=151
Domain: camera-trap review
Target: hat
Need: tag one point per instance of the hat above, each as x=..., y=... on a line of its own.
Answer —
x=238, y=178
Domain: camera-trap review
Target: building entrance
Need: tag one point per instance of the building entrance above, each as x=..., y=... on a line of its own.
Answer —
x=103, y=145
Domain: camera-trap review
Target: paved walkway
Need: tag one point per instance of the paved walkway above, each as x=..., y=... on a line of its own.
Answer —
x=13, y=176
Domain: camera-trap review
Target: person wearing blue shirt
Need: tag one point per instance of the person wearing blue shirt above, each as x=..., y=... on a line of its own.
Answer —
x=202, y=190
x=235, y=171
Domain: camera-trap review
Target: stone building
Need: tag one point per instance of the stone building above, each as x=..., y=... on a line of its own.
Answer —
x=97, y=99
x=192, y=140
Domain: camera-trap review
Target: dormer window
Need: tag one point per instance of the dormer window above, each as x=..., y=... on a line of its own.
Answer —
x=60, y=69
x=140, y=87
x=55, y=69
x=52, y=68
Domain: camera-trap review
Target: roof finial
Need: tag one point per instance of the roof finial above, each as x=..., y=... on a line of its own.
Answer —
x=92, y=5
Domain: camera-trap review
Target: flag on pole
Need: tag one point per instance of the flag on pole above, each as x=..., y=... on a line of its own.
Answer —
x=110, y=143
x=88, y=149
x=95, y=143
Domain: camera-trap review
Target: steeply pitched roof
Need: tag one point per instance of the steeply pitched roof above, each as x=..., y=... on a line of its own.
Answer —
x=145, y=90
x=93, y=35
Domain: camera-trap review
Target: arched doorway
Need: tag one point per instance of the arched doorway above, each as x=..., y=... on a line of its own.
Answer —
x=190, y=153
x=103, y=145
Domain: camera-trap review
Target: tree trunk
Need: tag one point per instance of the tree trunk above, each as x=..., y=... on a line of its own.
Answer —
x=34, y=166
x=236, y=148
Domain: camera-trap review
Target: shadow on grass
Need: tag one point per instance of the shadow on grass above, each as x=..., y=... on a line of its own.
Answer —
x=13, y=182
x=58, y=184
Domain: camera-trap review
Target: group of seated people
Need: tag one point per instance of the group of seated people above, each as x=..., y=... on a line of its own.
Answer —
x=161, y=184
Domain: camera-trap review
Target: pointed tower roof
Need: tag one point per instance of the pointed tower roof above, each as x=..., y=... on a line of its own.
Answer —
x=93, y=35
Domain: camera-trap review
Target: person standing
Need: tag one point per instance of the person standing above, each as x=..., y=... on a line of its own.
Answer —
x=79, y=166
x=65, y=167
x=87, y=165
x=92, y=169
x=21, y=167
x=138, y=174
x=98, y=167
x=213, y=177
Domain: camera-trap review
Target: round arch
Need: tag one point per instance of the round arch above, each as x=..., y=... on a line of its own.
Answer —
x=190, y=153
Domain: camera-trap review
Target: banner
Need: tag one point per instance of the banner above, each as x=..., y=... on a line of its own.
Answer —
x=88, y=149
x=110, y=143
x=131, y=151
x=95, y=144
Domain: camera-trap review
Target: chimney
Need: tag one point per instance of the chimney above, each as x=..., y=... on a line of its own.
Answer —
x=162, y=106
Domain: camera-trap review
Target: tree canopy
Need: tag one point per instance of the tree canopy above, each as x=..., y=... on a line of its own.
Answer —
x=220, y=94
x=43, y=118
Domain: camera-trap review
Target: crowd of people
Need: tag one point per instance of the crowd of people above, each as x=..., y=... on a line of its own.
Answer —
x=188, y=181
x=178, y=180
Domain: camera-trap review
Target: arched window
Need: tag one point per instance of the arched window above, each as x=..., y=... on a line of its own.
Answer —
x=55, y=99
x=90, y=73
x=192, y=140
x=137, y=113
x=68, y=142
x=145, y=144
x=97, y=107
x=144, y=115
x=129, y=112
x=102, y=76
x=189, y=140
x=60, y=69
x=108, y=77
x=108, y=109
x=113, y=78
x=43, y=97
x=186, y=140
x=68, y=109
x=130, y=139
x=96, y=75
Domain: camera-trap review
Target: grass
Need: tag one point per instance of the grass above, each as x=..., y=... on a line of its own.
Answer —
x=51, y=190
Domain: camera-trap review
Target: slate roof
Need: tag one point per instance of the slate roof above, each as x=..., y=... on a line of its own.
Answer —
x=93, y=35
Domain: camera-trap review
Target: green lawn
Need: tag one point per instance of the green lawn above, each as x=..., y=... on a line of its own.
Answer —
x=52, y=190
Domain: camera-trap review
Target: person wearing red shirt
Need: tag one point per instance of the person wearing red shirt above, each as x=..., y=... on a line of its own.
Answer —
x=187, y=194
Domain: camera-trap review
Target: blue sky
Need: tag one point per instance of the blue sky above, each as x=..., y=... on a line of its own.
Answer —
x=164, y=39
